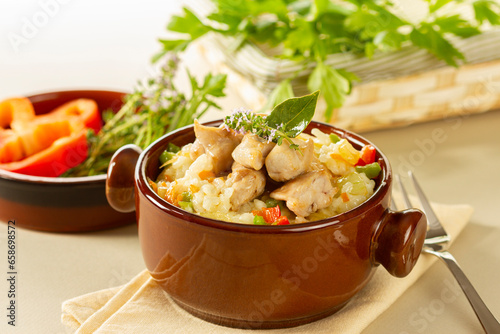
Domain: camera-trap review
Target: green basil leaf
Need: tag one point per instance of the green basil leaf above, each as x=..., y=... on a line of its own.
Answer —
x=293, y=115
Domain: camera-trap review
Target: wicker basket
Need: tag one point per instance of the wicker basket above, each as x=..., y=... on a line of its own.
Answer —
x=396, y=88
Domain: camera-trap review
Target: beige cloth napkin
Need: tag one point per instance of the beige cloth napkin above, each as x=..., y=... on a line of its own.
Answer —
x=141, y=306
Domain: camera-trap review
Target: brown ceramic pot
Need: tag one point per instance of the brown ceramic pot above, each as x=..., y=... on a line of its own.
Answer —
x=56, y=204
x=254, y=276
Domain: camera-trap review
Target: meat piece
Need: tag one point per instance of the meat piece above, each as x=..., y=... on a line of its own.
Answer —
x=196, y=150
x=307, y=193
x=284, y=163
x=247, y=184
x=252, y=151
x=218, y=143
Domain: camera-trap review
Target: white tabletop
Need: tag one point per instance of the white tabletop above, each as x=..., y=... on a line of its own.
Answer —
x=61, y=44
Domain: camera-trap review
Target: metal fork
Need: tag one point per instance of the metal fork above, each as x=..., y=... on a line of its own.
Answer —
x=436, y=243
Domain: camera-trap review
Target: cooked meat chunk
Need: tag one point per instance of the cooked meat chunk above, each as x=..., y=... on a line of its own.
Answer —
x=247, y=184
x=284, y=163
x=307, y=193
x=218, y=143
x=252, y=151
x=196, y=150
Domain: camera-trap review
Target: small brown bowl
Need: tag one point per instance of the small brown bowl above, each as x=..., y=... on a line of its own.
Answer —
x=52, y=204
x=254, y=276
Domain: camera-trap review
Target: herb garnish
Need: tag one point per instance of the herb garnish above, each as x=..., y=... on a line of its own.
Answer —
x=309, y=31
x=287, y=120
x=154, y=108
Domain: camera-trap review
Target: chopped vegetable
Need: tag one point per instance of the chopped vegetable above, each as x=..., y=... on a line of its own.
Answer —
x=348, y=152
x=259, y=220
x=283, y=220
x=270, y=215
x=371, y=171
x=334, y=138
x=356, y=182
x=171, y=147
x=165, y=157
x=271, y=202
x=368, y=153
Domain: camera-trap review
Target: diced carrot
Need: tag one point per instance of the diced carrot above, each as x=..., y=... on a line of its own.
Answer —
x=194, y=188
x=345, y=197
x=206, y=174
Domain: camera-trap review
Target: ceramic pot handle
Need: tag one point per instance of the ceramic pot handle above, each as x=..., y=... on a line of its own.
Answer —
x=120, y=185
x=398, y=240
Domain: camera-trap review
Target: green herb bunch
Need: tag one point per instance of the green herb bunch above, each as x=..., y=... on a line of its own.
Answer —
x=154, y=108
x=307, y=31
x=287, y=120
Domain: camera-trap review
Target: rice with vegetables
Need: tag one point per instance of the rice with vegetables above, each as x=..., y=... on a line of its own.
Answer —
x=237, y=176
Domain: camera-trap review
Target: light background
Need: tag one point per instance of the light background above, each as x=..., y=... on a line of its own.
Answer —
x=108, y=44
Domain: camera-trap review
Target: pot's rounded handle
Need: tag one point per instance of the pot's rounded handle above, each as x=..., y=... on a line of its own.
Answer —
x=120, y=180
x=399, y=239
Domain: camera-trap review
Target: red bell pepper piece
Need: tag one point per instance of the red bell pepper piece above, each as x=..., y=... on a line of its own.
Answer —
x=45, y=145
x=283, y=220
x=368, y=153
x=270, y=214
x=65, y=152
x=84, y=109
x=15, y=110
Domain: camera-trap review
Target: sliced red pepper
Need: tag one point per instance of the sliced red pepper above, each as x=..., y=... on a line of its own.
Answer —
x=11, y=147
x=84, y=109
x=368, y=153
x=45, y=145
x=283, y=220
x=62, y=154
x=270, y=214
x=14, y=110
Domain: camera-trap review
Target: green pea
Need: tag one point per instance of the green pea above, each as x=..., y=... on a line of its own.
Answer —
x=186, y=196
x=188, y=206
x=173, y=148
x=271, y=202
x=371, y=171
x=259, y=220
x=165, y=156
x=334, y=138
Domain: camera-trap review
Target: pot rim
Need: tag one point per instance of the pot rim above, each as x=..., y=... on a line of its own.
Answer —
x=142, y=186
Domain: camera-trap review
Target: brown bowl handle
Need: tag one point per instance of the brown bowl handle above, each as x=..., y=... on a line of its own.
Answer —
x=120, y=181
x=399, y=239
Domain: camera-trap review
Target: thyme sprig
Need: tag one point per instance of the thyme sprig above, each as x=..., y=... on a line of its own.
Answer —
x=155, y=107
x=286, y=121
x=243, y=121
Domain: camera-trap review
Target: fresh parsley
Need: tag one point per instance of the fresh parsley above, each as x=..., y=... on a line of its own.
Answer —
x=307, y=31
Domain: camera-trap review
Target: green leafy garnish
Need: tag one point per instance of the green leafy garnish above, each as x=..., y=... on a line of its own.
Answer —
x=154, y=108
x=287, y=120
x=308, y=31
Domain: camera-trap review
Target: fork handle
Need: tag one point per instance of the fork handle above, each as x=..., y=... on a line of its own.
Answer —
x=488, y=321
